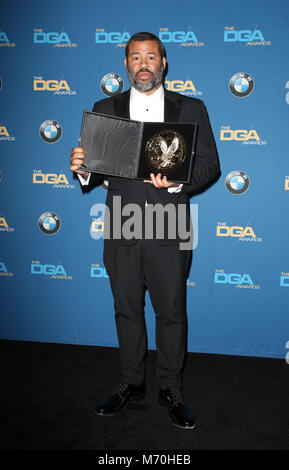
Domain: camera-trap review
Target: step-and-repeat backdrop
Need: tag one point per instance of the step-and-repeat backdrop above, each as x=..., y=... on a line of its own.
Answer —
x=56, y=61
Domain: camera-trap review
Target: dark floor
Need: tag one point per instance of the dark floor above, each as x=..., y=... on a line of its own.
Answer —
x=48, y=393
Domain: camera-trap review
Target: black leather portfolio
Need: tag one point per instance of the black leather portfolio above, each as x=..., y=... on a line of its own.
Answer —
x=134, y=149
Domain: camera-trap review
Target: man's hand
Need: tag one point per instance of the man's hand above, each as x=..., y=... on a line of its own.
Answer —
x=160, y=181
x=77, y=159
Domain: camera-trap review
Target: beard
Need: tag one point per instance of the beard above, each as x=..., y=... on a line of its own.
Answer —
x=148, y=84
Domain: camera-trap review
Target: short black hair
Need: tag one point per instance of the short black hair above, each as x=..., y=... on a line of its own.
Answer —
x=145, y=36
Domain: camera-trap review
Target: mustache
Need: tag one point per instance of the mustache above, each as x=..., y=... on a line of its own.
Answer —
x=144, y=70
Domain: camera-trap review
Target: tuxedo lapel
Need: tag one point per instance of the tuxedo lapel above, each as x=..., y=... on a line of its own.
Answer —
x=173, y=105
x=121, y=104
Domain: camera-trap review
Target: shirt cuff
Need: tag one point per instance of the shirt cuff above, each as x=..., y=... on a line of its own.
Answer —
x=175, y=189
x=83, y=181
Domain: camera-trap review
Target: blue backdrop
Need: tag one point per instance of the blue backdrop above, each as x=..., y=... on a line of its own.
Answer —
x=55, y=63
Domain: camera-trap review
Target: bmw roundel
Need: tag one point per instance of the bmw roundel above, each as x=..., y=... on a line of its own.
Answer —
x=50, y=131
x=111, y=84
x=241, y=84
x=49, y=223
x=237, y=182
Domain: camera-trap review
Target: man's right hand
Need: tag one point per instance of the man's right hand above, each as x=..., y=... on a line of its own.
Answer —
x=76, y=160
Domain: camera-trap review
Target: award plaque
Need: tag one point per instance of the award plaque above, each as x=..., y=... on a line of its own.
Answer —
x=134, y=149
x=165, y=151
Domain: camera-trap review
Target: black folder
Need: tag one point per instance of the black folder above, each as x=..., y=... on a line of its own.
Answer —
x=133, y=149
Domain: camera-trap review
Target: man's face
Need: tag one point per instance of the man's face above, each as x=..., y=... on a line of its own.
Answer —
x=144, y=65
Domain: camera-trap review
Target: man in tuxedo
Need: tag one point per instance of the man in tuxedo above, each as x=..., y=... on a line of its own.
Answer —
x=135, y=264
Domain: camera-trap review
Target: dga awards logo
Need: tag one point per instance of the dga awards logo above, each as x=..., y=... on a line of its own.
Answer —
x=54, y=180
x=185, y=87
x=49, y=223
x=50, y=131
x=119, y=39
x=58, y=87
x=53, y=271
x=4, y=227
x=245, y=36
x=239, y=281
x=97, y=212
x=181, y=38
x=286, y=186
x=52, y=38
x=242, y=234
x=284, y=279
x=4, y=271
x=4, y=41
x=97, y=271
x=245, y=136
x=111, y=84
x=241, y=84
x=5, y=136
x=237, y=182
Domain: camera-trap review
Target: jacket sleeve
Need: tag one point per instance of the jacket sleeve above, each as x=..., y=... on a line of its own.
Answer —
x=206, y=166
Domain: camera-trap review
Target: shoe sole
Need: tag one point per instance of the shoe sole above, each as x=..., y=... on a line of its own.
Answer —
x=184, y=427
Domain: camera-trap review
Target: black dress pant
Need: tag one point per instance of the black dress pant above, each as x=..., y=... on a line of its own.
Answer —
x=163, y=271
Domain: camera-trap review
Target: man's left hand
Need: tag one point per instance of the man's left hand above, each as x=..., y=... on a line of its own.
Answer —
x=160, y=181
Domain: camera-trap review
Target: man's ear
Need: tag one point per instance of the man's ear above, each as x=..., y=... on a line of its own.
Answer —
x=125, y=62
x=164, y=62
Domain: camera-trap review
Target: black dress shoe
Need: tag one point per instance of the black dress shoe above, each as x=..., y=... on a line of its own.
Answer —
x=180, y=413
x=123, y=394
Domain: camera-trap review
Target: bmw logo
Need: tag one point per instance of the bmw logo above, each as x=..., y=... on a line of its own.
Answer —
x=241, y=84
x=49, y=223
x=50, y=131
x=111, y=84
x=237, y=182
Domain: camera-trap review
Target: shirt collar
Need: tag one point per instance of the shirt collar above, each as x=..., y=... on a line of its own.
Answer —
x=136, y=95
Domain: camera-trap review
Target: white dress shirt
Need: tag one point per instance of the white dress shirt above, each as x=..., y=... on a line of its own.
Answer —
x=145, y=108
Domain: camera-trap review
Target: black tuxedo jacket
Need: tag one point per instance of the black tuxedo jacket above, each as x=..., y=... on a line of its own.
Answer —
x=206, y=168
